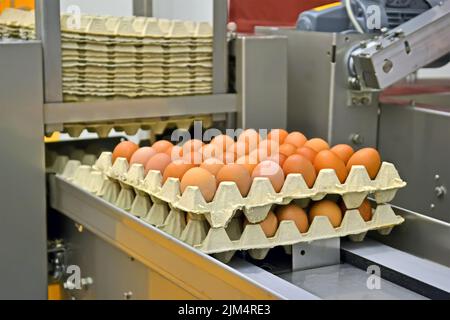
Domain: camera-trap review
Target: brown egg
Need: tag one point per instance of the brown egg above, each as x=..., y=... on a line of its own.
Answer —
x=142, y=155
x=158, y=162
x=250, y=138
x=287, y=149
x=317, y=144
x=307, y=152
x=269, y=225
x=222, y=141
x=295, y=213
x=278, y=158
x=300, y=164
x=201, y=178
x=175, y=153
x=328, y=209
x=213, y=165
x=259, y=154
x=343, y=151
x=240, y=149
x=124, y=149
x=365, y=210
x=176, y=169
x=367, y=157
x=296, y=138
x=328, y=160
x=211, y=151
x=271, y=170
x=269, y=146
x=193, y=145
x=235, y=173
x=278, y=135
x=229, y=157
x=194, y=157
x=162, y=146
x=248, y=163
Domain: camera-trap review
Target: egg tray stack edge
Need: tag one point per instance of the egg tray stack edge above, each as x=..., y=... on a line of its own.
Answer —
x=156, y=125
x=222, y=241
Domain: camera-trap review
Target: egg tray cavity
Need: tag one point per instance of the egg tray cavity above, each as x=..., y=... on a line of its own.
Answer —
x=222, y=242
x=261, y=197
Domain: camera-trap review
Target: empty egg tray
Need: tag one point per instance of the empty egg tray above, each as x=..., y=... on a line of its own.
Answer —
x=261, y=197
x=222, y=242
x=155, y=125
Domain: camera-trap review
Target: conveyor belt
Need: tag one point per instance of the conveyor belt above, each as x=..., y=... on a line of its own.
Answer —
x=209, y=278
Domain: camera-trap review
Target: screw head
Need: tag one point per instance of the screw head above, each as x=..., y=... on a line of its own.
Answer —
x=356, y=138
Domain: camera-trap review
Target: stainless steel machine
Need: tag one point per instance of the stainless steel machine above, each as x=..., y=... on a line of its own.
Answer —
x=324, y=84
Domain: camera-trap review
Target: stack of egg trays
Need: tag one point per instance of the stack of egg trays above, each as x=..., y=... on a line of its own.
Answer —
x=133, y=44
x=17, y=24
x=116, y=57
x=222, y=235
x=155, y=125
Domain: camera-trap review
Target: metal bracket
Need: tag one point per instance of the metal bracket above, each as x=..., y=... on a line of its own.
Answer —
x=320, y=253
x=405, y=49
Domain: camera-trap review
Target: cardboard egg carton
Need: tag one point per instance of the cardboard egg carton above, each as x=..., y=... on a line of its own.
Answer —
x=129, y=28
x=134, y=80
x=125, y=29
x=142, y=72
x=261, y=197
x=253, y=239
x=221, y=242
x=112, y=48
x=155, y=125
x=81, y=95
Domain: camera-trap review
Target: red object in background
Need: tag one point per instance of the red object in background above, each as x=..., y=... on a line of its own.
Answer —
x=250, y=13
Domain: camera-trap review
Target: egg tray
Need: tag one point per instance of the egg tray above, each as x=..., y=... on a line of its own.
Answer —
x=261, y=197
x=156, y=126
x=97, y=48
x=222, y=242
x=126, y=29
x=141, y=72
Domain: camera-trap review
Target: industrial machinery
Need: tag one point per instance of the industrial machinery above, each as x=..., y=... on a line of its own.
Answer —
x=329, y=84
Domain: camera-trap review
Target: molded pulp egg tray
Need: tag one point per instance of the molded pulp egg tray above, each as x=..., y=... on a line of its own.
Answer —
x=216, y=227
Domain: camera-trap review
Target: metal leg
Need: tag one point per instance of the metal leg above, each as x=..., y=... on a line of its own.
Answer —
x=48, y=30
x=143, y=8
x=220, y=46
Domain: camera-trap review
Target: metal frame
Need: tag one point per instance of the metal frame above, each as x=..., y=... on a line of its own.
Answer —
x=143, y=8
x=405, y=49
x=59, y=113
x=419, y=275
x=48, y=30
x=220, y=46
x=23, y=249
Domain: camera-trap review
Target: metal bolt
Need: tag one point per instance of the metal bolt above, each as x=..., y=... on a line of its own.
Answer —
x=399, y=33
x=355, y=101
x=440, y=191
x=127, y=295
x=432, y=206
x=356, y=138
x=79, y=227
x=365, y=100
x=437, y=177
